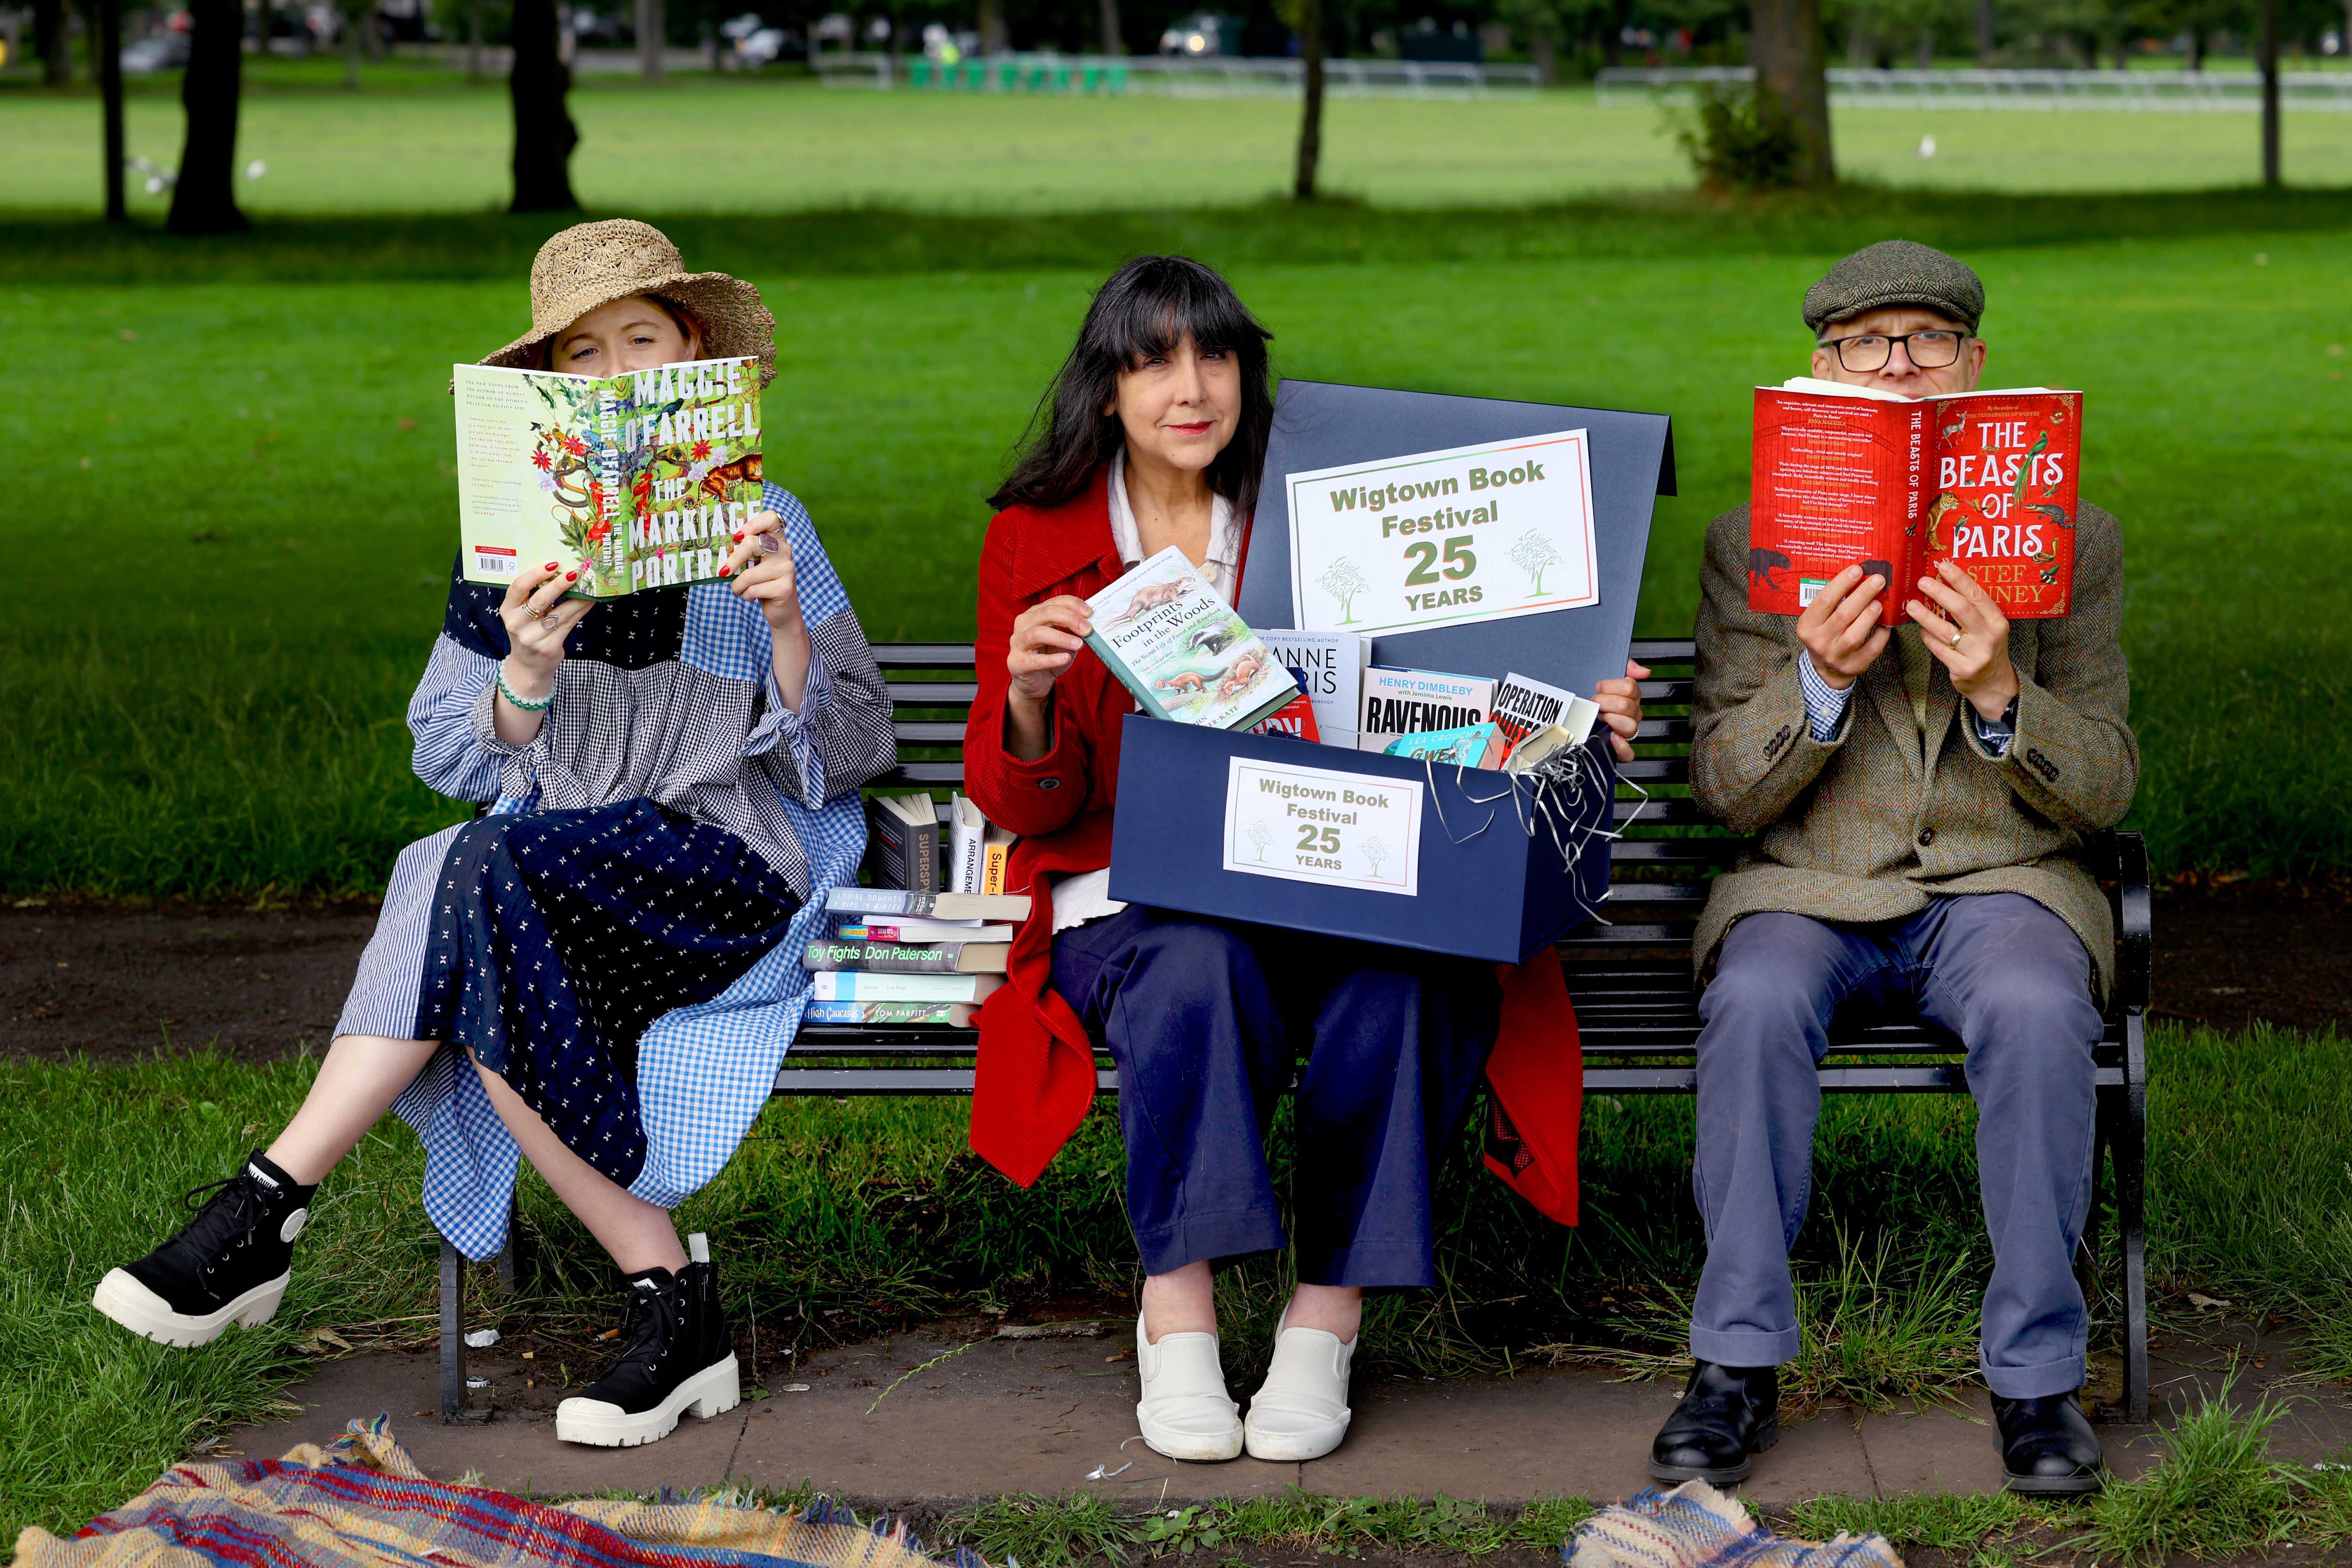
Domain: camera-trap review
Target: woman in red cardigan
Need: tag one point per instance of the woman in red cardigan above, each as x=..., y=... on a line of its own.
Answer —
x=1153, y=435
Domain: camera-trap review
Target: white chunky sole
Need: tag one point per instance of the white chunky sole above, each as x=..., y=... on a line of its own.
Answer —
x=144, y=1312
x=713, y=1391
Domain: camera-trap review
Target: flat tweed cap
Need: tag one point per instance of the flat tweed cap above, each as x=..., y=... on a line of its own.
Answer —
x=1896, y=272
x=593, y=264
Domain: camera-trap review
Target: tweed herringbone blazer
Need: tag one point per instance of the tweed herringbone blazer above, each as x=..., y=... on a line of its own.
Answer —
x=1869, y=825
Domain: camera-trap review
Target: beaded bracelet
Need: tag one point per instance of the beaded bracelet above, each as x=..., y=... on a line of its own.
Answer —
x=508, y=692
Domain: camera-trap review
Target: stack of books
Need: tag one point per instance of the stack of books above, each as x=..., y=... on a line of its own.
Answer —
x=896, y=957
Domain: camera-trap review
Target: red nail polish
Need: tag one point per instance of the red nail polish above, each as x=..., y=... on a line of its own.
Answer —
x=551, y=566
x=726, y=570
x=739, y=539
x=568, y=576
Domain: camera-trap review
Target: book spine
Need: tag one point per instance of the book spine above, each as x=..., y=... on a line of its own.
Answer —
x=854, y=985
x=880, y=957
x=880, y=901
x=956, y=1013
x=966, y=831
x=1908, y=550
x=923, y=854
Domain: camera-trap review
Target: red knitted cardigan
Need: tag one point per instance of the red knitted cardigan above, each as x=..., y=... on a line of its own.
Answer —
x=1036, y=1071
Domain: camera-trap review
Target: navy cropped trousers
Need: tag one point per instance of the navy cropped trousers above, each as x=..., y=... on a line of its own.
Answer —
x=2012, y=980
x=1206, y=1019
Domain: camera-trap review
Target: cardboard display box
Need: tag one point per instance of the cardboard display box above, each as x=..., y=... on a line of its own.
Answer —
x=1385, y=850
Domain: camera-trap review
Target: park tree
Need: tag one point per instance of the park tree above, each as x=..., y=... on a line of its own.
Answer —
x=544, y=133
x=204, y=199
x=49, y=42
x=1305, y=18
x=1114, y=43
x=110, y=93
x=1792, y=86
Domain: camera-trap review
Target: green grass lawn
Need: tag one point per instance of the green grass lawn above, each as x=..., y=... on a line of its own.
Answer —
x=425, y=142
x=838, y=1218
x=234, y=522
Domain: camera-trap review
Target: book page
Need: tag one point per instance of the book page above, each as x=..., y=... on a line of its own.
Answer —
x=531, y=459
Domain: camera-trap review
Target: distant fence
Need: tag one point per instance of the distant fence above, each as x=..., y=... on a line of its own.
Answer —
x=2162, y=92
x=1171, y=76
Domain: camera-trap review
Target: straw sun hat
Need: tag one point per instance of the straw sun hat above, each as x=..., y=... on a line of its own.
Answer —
x=594, y=264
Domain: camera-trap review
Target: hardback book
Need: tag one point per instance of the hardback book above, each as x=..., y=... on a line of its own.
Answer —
x=1412, y=701
x=639, y=480
x=1847, y=475
x=1294, y=718
x=899, y=929
x=1525, y=706
x=858, y=986
x=1330, y=668
x=907, y=958
x=1476, y=745
x=970, y=838
x=902, y=842
x=1169, y=637
x=892, y=901
x=957, y=1013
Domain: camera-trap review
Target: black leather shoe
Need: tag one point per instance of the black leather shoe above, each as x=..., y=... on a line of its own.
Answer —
x=1727, y=1413
x=2047, y=1447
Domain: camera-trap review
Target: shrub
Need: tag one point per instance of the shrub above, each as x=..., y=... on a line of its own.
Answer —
x=1738, y=138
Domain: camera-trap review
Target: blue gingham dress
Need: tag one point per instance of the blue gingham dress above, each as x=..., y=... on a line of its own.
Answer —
x=669, y=755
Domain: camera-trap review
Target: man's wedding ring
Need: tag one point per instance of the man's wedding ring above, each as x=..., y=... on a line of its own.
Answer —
x=1955, y=642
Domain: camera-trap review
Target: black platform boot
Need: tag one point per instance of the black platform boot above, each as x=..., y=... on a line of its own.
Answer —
x=2047, y=1447
x=1728, y=1414
x=676, y=1355
x=228, y=1264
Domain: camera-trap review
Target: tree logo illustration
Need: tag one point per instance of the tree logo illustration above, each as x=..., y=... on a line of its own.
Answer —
x=1262, y=835
x=1375, y=851
x=1534, y=555
x=1343, y=582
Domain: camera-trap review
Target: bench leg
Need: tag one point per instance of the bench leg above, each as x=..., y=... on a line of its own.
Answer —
x=2131, y=1216
x=452, y=1337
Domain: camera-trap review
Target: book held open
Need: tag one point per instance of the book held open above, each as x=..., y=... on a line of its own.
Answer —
x=1847, y=474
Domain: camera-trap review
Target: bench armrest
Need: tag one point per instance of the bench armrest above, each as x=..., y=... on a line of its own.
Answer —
x=2122, y=858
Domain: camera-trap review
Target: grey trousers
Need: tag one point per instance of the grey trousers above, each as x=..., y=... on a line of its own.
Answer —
x=2013, y=982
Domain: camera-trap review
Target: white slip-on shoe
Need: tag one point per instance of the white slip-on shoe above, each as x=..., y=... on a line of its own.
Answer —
x=1185, y=1412
x=1301, y=1413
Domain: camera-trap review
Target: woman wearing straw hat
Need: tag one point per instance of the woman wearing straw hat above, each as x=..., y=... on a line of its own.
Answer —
x=603, y=972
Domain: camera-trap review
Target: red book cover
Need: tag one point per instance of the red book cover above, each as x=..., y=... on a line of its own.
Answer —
x=1295, y=718
x=1986, y=479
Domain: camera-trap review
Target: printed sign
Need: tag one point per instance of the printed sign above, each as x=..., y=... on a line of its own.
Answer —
x=1312, y=825
x=1434, y=539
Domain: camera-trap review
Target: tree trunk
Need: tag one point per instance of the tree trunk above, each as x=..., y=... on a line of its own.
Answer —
x=49, y=41
x=1791, y=73
x=993, y=39
x=1311, y=122
x=359, y=20
x=203, y=201
x=1984, y=33
x=544, y=133
x=1115, y=43
x=109, y=92
x=473, y=40
x=2267, y=45
x=1545, y=53
x=1613, y=41
x=2196, y=49
x=1926, y=46
x=652, y=28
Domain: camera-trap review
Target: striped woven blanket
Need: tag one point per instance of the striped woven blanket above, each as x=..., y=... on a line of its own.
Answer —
x=361, y=1502
x=1694, y=1526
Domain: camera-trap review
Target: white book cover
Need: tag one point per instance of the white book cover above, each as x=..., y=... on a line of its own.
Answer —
x=1525, y=706
x=1333, y=665
x=1412, y=701
x=967, y=830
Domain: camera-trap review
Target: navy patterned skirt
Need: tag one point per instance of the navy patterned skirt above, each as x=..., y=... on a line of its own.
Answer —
x=552, y=938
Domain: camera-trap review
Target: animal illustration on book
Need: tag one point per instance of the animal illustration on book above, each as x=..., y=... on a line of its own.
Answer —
x=1181, y=651
x=1762, y=563
x=1150, y=596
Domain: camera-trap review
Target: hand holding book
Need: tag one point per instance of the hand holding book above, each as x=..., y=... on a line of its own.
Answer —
x=1844, y=630
x=538, y=618
x=1970, y=637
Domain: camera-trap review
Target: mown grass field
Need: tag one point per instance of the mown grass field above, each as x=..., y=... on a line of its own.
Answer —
x=234, y=501
x=421, y=140
x=839, y=1217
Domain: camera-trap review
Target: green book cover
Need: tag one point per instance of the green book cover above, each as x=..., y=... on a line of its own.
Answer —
x=639, y=480
x=1169, y=637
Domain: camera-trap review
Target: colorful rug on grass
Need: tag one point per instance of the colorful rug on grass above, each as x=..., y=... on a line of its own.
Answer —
x=1694, y=1526
x=361, y=1502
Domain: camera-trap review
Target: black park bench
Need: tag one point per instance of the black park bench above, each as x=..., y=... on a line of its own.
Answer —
x=1635, y=1008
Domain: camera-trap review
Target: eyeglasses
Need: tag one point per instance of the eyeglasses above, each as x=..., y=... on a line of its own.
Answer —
x=1871, y=351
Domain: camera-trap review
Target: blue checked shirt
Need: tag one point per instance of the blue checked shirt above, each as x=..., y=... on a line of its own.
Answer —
x=1825, y=707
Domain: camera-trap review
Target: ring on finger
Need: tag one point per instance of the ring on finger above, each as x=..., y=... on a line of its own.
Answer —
x=534, y=612
x=1955, y=642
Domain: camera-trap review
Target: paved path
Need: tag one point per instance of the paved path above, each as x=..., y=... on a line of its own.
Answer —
x=1041, y=1416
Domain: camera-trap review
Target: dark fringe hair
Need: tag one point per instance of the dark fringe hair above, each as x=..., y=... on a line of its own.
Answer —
x=1145, y=308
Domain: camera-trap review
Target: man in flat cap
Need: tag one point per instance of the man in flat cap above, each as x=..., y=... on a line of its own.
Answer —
x=1919, y=776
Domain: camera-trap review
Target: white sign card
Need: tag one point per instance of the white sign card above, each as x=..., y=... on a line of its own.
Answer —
x=1312, y=825
x=1437, y=539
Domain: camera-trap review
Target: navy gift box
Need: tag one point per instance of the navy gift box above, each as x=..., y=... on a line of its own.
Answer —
x=1486, y=887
